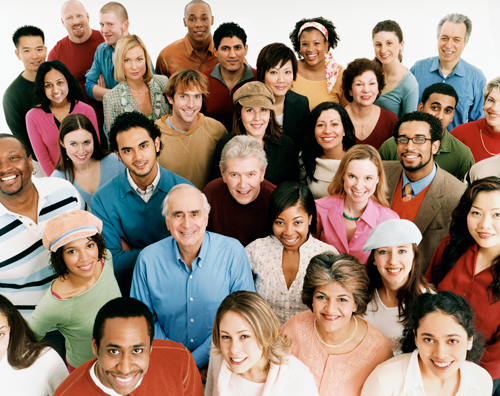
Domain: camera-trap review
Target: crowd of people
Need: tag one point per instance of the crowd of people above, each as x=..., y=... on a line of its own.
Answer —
x=206, y=227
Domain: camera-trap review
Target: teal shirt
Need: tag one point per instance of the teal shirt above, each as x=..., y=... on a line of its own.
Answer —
x=453, y=156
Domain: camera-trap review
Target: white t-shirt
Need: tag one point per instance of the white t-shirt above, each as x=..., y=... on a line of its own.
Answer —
x=40, y=379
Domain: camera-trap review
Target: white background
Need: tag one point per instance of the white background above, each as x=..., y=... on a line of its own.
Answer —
x=159, y=22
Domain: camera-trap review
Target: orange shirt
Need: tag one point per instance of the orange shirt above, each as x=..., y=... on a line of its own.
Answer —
x=180, y=55
x=407, y=210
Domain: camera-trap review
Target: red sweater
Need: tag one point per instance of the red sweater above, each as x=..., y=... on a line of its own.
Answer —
x=172, y=371
x=477, y=135
x=219, y=104
x=462, y=281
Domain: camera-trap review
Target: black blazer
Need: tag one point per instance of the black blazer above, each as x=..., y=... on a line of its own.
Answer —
x=296, y=111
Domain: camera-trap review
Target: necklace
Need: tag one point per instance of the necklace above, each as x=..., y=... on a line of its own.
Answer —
x=482, y=141
x=350, y=218
x=137, y=92
x=343, y=342
x=362, y=133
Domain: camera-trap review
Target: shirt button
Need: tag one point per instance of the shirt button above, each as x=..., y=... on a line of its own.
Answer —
x=355, y=236
x=192, y=320
x=31, y=224
x=190, y=276
x=192, y=340
x=191, y=299
x=465, y=294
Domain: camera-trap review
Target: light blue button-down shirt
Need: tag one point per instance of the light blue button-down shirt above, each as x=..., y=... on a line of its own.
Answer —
x=467, y=80
x=419, y=185
x=103, y=64
x=183, y=301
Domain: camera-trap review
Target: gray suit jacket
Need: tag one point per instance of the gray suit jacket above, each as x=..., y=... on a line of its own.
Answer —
x=434, y=216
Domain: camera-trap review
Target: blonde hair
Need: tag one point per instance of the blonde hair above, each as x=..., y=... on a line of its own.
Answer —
x=493, y=85
x=263, y=321
x=118, y=9
x=122, y=46
x=361, y=152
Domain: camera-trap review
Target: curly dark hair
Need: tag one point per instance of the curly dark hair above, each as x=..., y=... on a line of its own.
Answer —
x=74, y=91
x=333, y=38
x=129, y=120
x=58, y=265
x=461, y=239
x=356, y=68
x=310, y=147
x=435, y=126
x=407, y=294
x=447, y=303
x=229, y=29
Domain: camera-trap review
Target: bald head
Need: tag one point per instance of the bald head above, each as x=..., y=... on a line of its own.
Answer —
x=188, y=5
x=181, y=190
x=75, y=19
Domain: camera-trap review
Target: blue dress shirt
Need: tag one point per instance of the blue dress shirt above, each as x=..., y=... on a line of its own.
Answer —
x=183, y=301
x=419, y=185
x=467, y=80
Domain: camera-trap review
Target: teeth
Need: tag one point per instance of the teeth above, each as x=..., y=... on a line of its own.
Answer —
x=187, y=233
x=124, y=380
x=237, y=360
x=393, y=271
x=442, y=364
x=9, y=178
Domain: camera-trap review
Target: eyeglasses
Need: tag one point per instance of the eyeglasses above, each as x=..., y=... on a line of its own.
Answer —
x=415, y=140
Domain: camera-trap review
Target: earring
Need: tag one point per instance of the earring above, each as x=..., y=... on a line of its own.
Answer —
x=401, y=50
x=34, y=172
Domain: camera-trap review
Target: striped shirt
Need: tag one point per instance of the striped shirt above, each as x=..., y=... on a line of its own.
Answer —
x=25, y=275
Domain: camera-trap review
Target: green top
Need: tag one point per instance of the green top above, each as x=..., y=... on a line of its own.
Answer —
x=453, y=156
x=74, y=317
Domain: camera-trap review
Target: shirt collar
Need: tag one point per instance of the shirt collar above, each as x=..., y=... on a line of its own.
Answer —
x=149, y=188
x=459, y=69
x=445, y=146
x=190, y=49
x=247, y=74
x=198, y=261
x=419, y=185
x=42, y=193
x=413, y=378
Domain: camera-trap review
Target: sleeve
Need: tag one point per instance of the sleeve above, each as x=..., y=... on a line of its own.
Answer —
x=209, y=386
x=373, y=387
x=491, y=358
x=241, y=273
x=123, y=261
x=410, y=101
x=16, y=120
x=434, y=271
x=386, y=151
x=41, y=151
x=192, y=382
x=162, y=65
x=110, y=109
x=466, y=163
x=93, y=74
x=319, y=224
x=56, y=371
x=89, y=112
x=45, y=316
x=476, y=111
x=140, y=291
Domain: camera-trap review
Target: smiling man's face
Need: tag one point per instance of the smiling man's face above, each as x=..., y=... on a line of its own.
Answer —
x=123, y=353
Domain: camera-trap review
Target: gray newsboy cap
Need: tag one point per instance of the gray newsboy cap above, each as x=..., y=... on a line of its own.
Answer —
x=392, y=233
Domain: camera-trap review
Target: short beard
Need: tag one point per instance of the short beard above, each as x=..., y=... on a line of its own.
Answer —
x=416, y=167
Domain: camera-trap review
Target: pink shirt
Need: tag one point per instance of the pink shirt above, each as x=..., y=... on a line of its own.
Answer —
x=44, y=134
x=331, y=228
x=336, y=375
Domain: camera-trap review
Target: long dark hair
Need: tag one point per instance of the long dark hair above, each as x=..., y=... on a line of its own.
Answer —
x=311, y=148
x=273, y=130
x=71, y=123
x=461, y=239
x=408, y=293
x=447, y=303
x=24, y=348
x=74, y=90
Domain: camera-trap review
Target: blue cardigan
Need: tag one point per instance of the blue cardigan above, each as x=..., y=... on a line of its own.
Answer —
x=126, y=216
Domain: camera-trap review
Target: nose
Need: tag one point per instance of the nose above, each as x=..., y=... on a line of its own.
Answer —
x=331, y=306
x=232, y=53
x=125, y=364
x=191, y=101
x=256, y=115
x=289, y=229
x=281, y=77
x=485, y=222
x=440, y=350
x=243, y=182
x=235, y=347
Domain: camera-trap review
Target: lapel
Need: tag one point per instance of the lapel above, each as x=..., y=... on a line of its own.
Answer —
x=393, y=171
x=430, y=205
x=288, y=110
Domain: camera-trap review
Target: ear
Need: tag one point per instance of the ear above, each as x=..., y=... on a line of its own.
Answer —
x=212, y=21
x=184, y=20
x=157, y=144
x=420, y=106
x=470, y=343
x=435, y=147
x=61, y=143
x=170, y=100
x=118, y=155
x=125, y=25
x=263, y=173
x=63, y=21
x=222, y=174
x=246, y=49
x=17, y=54
x=94, y=346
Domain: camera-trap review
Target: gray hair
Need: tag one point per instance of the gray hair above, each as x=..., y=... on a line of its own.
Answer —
x=164, y=205
x=457, y=18
x=243, y=147
x=493, y=85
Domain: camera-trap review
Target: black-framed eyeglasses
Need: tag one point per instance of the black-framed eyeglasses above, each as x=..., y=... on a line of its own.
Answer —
x=415, y=140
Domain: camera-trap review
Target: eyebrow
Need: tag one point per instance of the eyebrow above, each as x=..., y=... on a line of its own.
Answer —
x=3, y=327
x=477, y=207
x=121, y=346
x=189, y=211
x=238, y=332
x=129, y=148
x=296, y=217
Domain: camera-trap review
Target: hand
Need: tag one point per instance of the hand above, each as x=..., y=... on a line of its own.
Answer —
x=125, y=246
x=203, y=373
x=101, y=83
